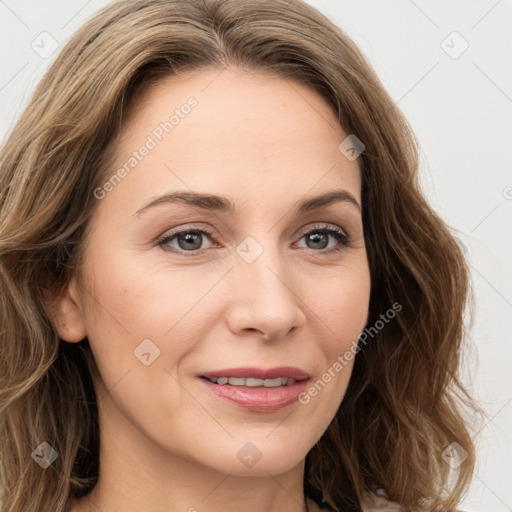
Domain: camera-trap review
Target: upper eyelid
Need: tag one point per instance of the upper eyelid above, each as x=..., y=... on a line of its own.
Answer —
x=199, y=227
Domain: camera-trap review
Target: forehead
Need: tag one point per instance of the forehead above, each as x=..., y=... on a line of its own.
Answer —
x=212, y=129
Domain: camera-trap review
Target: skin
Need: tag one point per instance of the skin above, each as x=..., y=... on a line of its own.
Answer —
x=166, y=443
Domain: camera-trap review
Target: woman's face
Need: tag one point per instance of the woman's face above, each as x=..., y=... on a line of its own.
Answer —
x=264, y=286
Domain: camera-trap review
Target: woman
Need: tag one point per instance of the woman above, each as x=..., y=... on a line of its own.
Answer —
x=222, y=287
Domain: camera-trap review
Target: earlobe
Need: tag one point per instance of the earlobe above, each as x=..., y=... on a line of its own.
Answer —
x=63, y=309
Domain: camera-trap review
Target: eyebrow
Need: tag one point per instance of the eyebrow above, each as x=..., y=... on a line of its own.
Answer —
x=222, y=204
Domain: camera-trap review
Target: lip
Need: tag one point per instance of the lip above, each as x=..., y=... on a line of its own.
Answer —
x=256, y=399
x=259, y=373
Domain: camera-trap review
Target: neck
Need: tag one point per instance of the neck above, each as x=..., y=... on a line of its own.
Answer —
x=137, y=474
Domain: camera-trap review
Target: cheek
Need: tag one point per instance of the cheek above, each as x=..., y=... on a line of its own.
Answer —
x=340, y=312
x=342, y=307
x=130, y=303
x=139, y=297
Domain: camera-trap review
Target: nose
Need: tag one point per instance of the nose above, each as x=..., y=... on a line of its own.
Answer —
x=265, y=294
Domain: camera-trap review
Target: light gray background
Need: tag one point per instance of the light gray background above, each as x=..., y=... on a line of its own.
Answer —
x=461, y=111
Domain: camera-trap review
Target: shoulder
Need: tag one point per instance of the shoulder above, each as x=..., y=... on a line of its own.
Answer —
x=378, y=502
x=375, y=502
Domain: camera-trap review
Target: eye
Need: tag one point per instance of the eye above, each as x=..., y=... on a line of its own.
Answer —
x=318, y=238
x=190, y=240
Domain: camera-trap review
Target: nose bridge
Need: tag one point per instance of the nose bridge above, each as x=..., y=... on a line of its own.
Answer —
x=265, y=296
x=260, y=263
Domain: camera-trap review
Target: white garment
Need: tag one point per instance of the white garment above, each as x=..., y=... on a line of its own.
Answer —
x=378, y=502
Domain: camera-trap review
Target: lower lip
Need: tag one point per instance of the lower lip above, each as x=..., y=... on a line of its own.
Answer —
x=257, y=399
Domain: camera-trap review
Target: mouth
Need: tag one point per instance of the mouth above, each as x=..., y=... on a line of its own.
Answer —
x=252, y=382
x=255, y=389
x=256, y=374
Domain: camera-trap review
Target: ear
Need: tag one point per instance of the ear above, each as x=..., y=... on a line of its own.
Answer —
x=63, y=308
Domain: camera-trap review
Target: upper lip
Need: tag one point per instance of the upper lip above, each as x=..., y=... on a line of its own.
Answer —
x=259, y=373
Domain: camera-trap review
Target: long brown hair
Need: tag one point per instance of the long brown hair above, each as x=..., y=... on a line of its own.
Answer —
x=405, y=404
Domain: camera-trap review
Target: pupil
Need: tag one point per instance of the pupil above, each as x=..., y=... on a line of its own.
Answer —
x=315, y=239
x=189, y=238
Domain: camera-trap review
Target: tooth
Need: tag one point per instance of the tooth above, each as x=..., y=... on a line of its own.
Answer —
x=273, y=383
x=254, y=382
x=236, y=381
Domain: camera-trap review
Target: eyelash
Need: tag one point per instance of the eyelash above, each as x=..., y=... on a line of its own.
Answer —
x=337, y=233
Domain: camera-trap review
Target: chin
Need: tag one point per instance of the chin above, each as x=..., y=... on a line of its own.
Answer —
x=264, y=467
x=261, y=457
